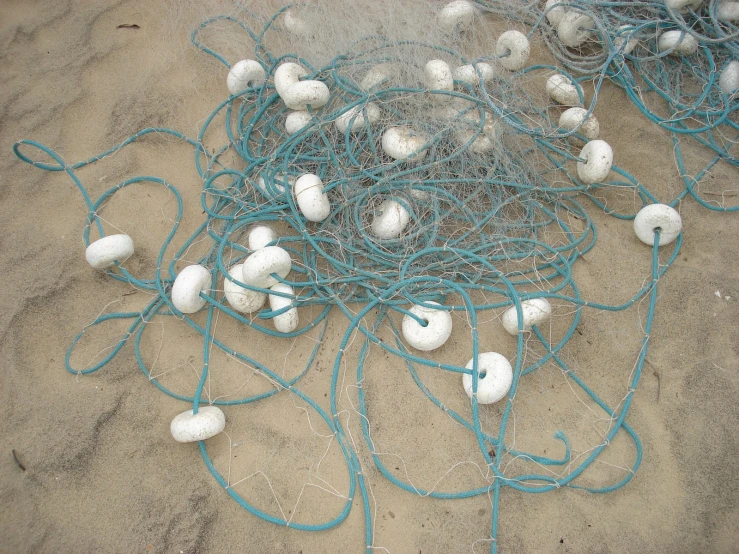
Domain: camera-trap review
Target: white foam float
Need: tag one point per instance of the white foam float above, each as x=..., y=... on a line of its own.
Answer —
x=436, y=332
x=438, y=76
x=513, y=50
x=571, y=118
x=598, y=156
x=275, y=188
x=354, y=118
x=574, y=28
x=106, y=250
x=535, y=311
x=402, y=143
x=243, y=75
x=306, y=94
x=189, y=427
x=391, y=218
x=728, y=81
x=562, y=90
x=683, y=6
x=258, y=267
x=728, y=11
x=554, y=12
x=377, y=75
x=312, y=201
x=677, y=42
x=457, y=16
x=657, y=216
x=485, y=141
x=260, y=236
x=286, y=75
x=481, y=145
x=297, y=94
x=495, y=376
x=466, y=124
x=625, y=39
x=188, y=285
x=420, y=194
x=459, y=113
x=297, y=121
x=295, y=24
x=286, y=322
x=468, y=74
x=242, y=299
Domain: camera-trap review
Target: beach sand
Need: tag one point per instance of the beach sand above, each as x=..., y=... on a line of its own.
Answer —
x=101, y=471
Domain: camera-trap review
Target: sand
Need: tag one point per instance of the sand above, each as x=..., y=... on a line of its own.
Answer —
x=102, y=473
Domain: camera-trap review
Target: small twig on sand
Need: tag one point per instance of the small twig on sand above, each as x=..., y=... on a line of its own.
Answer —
x=17, y=461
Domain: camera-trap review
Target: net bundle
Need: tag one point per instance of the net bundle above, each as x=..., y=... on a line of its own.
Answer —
x=432, y=173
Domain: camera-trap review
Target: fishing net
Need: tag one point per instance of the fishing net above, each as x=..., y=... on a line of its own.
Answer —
x=484, y=209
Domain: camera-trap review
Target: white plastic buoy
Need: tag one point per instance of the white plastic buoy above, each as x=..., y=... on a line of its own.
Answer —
x=297, y=121
x=462, y=118
x=258, y=267
x=728, y=11
x=104, y=251
x=481, y=145
x=377, y=75
x=457, y=115
x=657, y=216
x=467, y=124
x=535, y=311
x=625, y=39
x=306, y=93
x=402, y=143
x=297, y=94
x=294, y=24
x=555, y=13
x=438, y=76
x=562, y=90
x=485, y=141
x=436, y=332
x=495, y=376
x=390, y=220
x=244, y=74
x=420, y=194
x=728, y=82
x=513, y=50
x=599, y=158
x=188, y=285
x=286, y=75
x=465, y=115
x=260, y=236
x=276, y=188
x=468, y=74
x=678, y=43
x=288, y=321
x=457, y=16
x=571, y=118
x=189, y=427
x=242, y=299
x=574, y=28
x=683, y=5
x=355, y=118
x=312, y=201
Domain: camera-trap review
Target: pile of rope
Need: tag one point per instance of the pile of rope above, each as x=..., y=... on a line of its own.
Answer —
x=484, y=210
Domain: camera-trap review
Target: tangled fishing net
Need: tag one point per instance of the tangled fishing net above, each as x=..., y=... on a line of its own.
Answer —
x=399, y=173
